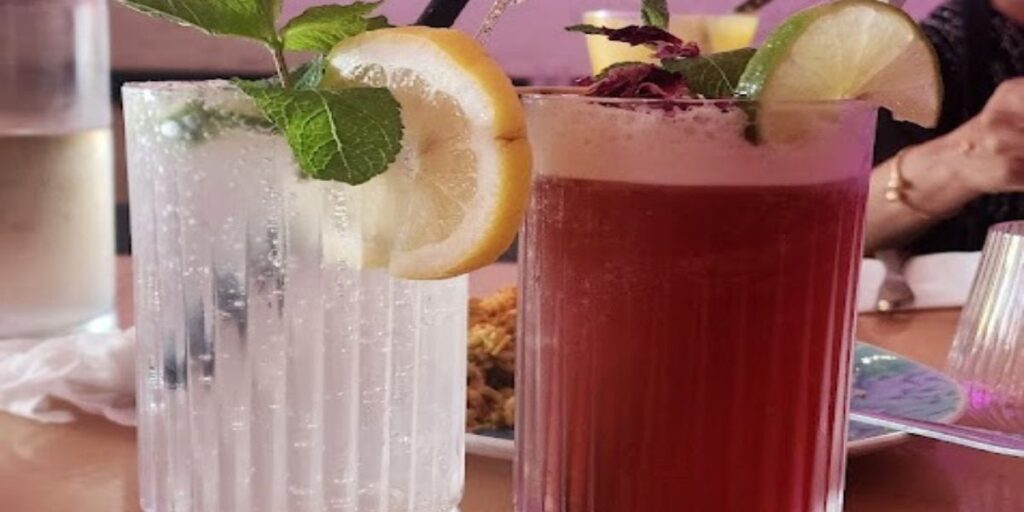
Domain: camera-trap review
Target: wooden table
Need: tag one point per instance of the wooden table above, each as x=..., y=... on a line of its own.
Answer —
x=89, y=466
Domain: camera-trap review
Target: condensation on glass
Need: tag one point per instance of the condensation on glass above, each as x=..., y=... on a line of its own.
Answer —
x=272, y=375
x=56, y=168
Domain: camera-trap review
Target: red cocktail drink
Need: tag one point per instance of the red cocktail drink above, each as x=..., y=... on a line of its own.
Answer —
x=687, y=312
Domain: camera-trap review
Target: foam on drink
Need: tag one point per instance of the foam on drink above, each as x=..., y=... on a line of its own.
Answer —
x=699, y=144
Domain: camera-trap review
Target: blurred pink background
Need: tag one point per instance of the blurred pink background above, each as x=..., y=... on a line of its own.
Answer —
x=529, y=40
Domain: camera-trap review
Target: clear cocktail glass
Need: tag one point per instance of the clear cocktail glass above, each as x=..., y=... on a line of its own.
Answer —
x=274, y=374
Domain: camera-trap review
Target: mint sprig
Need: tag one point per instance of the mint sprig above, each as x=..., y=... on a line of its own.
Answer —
x=712, y=76
x=655, y=13
x=309, y=75
x=708, y=76
x=320, y=28
x=254, y=19
x=348, y=135
x=306, y=76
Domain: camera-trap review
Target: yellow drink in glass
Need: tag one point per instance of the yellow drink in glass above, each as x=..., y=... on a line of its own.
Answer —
x=714, y=33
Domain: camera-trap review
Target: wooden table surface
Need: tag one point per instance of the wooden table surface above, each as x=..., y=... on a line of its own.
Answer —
x=89, y=466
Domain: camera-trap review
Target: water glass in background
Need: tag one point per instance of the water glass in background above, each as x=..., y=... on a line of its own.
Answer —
x=56, y=168
x=274, y=376
x=713, y=33
x=988, y=351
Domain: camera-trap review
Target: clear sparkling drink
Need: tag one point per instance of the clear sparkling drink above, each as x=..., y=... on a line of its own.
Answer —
x=274, y=375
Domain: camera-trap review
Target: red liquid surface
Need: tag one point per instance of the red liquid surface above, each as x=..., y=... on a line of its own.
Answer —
x=686, y=348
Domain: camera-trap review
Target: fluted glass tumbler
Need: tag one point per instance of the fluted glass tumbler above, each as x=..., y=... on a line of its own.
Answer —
x=274, y=376
x=988, y=351
x=688, y=305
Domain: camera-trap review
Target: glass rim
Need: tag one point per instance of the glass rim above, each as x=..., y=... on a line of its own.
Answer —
x=526, y=94
x=1014, y=228
x=574, y=94
x=179, y=86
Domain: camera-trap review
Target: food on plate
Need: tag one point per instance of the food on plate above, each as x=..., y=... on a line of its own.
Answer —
x=490, y=399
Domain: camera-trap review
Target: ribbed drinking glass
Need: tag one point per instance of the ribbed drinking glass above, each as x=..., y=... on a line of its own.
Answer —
x=988, y=352
x=688, y=305
x=273, y=375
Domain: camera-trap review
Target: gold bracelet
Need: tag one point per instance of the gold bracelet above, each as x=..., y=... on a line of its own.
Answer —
x=897, y=187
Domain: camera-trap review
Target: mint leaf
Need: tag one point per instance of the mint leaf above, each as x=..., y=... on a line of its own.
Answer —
x=306, y=76
x=320, y=28
x=655, y=13
x=713, y=76
x=350, y=135
x=275, y=9
x=254, y=19
x=309, y=75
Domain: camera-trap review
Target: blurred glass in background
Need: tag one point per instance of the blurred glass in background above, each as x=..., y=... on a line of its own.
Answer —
x=988, y=351
x=713, y=33
x=56, y=168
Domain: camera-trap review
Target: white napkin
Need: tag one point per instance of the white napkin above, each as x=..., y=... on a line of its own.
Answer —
x=938, y=280
x=95, y=372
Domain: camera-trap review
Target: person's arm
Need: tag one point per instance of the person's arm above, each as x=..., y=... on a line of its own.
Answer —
x=984, y=156
x=931, y=193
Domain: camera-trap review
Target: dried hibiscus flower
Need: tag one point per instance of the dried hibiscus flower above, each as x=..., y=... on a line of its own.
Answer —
x=665, y=44
x=636, y=80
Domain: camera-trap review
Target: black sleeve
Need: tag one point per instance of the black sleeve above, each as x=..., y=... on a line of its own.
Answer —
x=945, y=28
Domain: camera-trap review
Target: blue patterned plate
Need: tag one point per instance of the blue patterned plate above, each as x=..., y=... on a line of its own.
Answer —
x=887, y=383
x=882, y=382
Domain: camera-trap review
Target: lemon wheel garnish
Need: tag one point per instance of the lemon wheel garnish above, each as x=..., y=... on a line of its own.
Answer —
x=454, y=199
